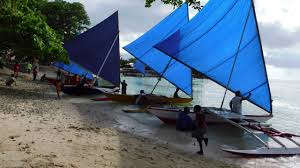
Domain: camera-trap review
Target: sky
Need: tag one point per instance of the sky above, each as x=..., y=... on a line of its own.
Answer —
x=278, y=24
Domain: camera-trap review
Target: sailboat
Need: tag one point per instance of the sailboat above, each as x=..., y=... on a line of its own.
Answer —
x=97, y=51
x=223, y=43
x=168, y=68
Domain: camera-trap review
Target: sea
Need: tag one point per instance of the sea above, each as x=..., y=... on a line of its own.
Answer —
x=286, y=110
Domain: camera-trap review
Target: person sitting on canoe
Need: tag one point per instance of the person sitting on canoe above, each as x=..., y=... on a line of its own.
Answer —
x=176, y=93
x=201, y=127
x=141, y=98
x=82, y=81
x=124, y=87
x=236, y=102
x=184, y=122
x=11, y=80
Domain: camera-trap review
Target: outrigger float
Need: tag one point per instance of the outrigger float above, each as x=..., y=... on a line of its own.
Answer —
x=253, y=127
x=252, y=124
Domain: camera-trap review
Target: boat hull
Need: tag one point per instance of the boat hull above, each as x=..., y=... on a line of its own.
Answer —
x=150, y=99
x=266, y=152
x=169, y=115
x=72, y=89
x=52, y=81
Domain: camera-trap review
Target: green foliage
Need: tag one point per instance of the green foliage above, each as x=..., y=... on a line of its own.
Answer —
x=196, y=4
x=30, y=30
x=68, y=19
x=125, y=63
x=28, y=35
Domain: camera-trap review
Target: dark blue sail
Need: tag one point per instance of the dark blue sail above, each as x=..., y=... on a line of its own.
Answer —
x=222, y=42
x=97, y=49
x=142, y=49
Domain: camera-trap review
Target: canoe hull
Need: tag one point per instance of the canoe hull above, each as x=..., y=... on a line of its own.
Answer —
x=52, y=81
x=150, y=99
x=266, y=152
x=169, y=115
x=71, y=89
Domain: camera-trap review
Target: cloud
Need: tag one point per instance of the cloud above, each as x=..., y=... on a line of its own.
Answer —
x=274, y=35
x=286, y=58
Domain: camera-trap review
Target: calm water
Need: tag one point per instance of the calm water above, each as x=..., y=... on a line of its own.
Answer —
x=286, y=110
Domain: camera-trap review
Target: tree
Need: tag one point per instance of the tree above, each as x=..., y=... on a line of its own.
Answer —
x=126, y=62
x=196, y=4
x=27, y=34
x=68, y=19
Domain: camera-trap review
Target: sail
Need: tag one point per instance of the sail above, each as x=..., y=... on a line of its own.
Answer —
x=97, y=49
x=74, y=69
x=142, y=48
x=223, y=40
x=139, y=66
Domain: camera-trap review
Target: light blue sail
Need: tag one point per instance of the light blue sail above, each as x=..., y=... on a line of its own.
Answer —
x=74, y=69
x=222, y=32
x=142, y=48
x=139, y=66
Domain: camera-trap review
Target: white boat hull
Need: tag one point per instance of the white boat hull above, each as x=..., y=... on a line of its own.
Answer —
x=265, y=151
x=169, y=115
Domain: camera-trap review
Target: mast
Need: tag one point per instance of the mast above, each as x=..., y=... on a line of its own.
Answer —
x=235, y=58
x=108, y=53
x=167, y=66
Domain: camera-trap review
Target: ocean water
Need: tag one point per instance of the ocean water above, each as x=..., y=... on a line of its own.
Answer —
x=286, y=111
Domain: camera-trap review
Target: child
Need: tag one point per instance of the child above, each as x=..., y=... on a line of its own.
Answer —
x=201, y=128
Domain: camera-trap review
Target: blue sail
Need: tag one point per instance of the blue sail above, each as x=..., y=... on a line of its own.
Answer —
x=223, y=39
x=74, y=69
x=90, y=49
x=139, y=66
x=142, y=48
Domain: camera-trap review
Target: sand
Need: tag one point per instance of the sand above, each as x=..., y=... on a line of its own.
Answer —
x=38, y=130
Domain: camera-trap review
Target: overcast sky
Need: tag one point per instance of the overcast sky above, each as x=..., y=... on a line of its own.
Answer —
x=278, y=23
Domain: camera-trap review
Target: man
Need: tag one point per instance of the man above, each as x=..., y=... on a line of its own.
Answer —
x=11, y=80
x=184, y=122
x=176, y=93
x=236, y=102
x=35, y=72
x=29, y=67
x=124, y=87
x=141, y=98
x=58, y=86
x=58, y=74
x=201, y=128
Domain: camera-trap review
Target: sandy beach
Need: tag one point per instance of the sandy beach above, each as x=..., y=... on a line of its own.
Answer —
x=38, y=130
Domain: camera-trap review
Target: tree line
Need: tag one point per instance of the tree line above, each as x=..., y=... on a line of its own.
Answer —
x=36, y=29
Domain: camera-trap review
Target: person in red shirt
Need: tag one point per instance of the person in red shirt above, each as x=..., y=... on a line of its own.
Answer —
x=201, y=128
x=16, y=69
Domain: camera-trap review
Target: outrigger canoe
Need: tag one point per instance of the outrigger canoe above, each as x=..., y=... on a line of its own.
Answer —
x=74, y=90
x=150, y=99
x=168, y=115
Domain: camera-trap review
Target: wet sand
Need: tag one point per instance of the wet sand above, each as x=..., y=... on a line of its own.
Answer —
x=38, y=130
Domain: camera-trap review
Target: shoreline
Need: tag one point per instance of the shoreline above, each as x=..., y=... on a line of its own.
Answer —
x=40, y=131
